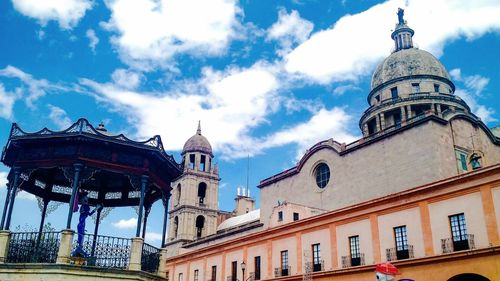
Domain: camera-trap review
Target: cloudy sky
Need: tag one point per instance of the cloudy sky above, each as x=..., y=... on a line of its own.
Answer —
x=267, y=79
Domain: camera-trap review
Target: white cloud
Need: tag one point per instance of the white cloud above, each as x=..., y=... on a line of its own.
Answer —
x=3, y=179
x=151, y=31
x=7, y=101
x=341, y=90
x=93, y=39
x=124, y=224
x=127, y=79
x=26, y=196
x=474, y=86
x=229, y=104
x=59, y=117
x=357, y=42
x=66, y=12
x=153, y=236
x=36, y=87
x=289, y=30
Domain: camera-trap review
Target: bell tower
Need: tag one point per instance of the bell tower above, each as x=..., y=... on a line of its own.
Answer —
x=194, y=204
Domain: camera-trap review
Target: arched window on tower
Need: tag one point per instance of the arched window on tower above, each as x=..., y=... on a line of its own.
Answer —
x=203, y=160
x=191, y=161
x=200, y=223
x=178, y=199
x=176, y=227
x=202, y=192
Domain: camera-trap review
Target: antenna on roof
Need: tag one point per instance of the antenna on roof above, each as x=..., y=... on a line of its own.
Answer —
x=248, y=169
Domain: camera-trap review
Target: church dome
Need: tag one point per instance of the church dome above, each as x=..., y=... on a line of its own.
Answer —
x=197, y=143
x=406, y=63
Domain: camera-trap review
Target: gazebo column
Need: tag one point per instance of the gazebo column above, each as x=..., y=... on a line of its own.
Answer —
x=147, y=210
x=144, y=182
x=12, y=195
x=6, y=205
x=165, y=216
x=42, y=220
x=76, y=180
x=96, y=230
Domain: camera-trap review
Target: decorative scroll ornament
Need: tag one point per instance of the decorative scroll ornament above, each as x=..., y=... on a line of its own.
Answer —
x=51, y=206
x=104, y=213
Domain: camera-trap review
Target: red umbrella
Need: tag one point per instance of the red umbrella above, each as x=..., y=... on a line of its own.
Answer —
x=386, y=268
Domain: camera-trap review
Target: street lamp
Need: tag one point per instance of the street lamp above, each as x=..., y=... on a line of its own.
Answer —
x=243, y=267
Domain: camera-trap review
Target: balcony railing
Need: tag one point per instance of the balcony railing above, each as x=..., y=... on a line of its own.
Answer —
x=33, y=247
x=459, y=243
x=282, y=271
x=105, y=251
x=150, y=258
x=231, y=278
x=253, y=276
x=348, y=261
x=314, y=267
x=393, y=254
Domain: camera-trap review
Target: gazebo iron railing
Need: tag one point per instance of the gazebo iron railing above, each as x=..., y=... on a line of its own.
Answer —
x=105, y=251
x=33, y=247
x=150, y=258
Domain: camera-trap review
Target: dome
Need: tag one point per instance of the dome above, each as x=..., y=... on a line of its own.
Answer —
x=406, y=63
x=197, y=143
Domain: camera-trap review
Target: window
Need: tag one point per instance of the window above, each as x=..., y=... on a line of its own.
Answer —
x=180, y=276
x=459, y=232
x=295, y=216
x=176, y=226
x=200, y=223
x=214, y=273
x=280, y=216
x=284, y=263
x=475, y=161
x=196, y=274
x=461, y=160
x=322, y=174
x=234, y=268
x=401, y=238
x=394, y=92
x=202, y=192
x=202, y=163
x=191, y=161
x=316, y=257
x=354, y=250
x=377, y=98
x=415, y=88
x=178, y=194
x=257, y=268
x=436, y=88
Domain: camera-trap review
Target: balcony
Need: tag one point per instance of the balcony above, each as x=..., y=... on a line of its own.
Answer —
x=458, y=243
x=315, y=267
x=348, y=261
x=282, y=271
x=97, y=251
x=393, y=254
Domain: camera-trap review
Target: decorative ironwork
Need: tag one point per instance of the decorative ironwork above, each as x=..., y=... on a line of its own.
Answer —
x=393, y=254
x=134, y=194
x=104, y=213
x=449, y=245
x=282, y=271
x=61, y=189
x=51, y=207
x=105, y=251
x=150, y=258
x=113, y=195
x=314, y=267
x=33, y=247
x=347, y=261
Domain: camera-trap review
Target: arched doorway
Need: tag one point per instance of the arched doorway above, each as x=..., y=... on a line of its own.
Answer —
x=468, y=277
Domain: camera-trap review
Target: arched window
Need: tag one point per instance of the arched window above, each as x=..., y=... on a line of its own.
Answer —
x=178, y=194
x=202, y=192
x=176, y=226
x=200, y=223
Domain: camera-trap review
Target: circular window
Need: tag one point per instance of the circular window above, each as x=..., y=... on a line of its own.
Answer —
x=322, y=174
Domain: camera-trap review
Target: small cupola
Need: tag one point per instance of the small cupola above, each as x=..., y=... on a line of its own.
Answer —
x=402, y=35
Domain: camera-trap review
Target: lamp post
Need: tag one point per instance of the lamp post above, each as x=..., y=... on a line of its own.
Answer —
x=243, y=267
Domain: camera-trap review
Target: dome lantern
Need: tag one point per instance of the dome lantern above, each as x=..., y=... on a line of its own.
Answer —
x=402, y=35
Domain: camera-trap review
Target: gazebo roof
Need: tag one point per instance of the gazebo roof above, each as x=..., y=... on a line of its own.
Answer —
x=112, y=165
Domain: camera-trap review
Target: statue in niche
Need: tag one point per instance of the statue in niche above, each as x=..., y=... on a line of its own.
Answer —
x=83, y=199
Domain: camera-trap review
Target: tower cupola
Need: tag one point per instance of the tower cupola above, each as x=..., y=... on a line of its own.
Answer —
x=402, y=34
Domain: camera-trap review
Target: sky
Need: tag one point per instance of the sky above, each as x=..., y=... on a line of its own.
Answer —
x=267, y=79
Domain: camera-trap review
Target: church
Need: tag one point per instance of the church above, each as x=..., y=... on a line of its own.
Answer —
x=420, y=189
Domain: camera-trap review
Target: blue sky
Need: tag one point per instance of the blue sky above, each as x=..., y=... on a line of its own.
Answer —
x=267, y=79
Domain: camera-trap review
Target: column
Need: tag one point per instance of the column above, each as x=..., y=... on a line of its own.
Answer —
x=333, y=246
x=377, y=120
x=4, y=244
x=17, y=174
x=6, y=205
x=136, y=254
x=426, y=228
x=375, y=237
x=298, y=241
x=438, y=109
x=489, y=215
x=408, y=111
x=365, y=129
x=165, y=216
x=403, y=114
x=76, y=182
x=162, y=267
x=382, y=121
x=146, y=215
x=144, y=182
x=65, y=244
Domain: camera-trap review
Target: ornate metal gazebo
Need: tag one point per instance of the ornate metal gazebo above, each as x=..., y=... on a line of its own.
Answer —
x=113, y=170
